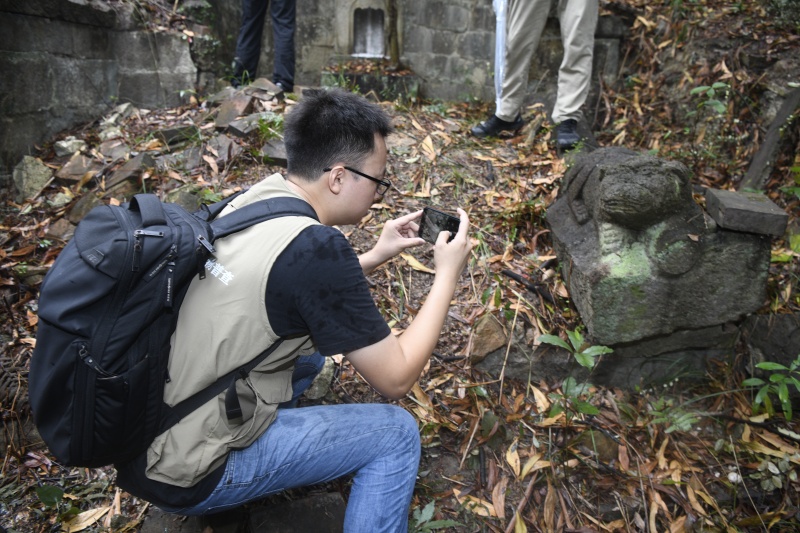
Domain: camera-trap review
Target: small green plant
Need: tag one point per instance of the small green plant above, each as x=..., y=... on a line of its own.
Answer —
x=675, y=417
x=53, y=498
x=771, y=473
x=422, y=520
x=777, y=384
x=714, y=94
x=571, y=400
x=210, y=196
x=585, y=354
x=270, y=128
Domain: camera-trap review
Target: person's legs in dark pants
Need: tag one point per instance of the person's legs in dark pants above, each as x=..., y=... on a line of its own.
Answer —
x=248, y=45
x=283, y=28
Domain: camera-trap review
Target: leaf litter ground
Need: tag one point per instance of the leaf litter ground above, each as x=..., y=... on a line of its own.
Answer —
x=684, y=457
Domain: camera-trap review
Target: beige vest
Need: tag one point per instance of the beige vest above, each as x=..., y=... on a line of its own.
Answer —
x=223, y=324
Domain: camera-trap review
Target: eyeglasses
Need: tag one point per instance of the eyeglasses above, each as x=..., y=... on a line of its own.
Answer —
x=383, y=185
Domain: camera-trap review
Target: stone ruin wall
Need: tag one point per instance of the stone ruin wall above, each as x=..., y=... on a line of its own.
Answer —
x=66, y=62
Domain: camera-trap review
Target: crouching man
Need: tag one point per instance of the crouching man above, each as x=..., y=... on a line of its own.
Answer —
x=300, y=280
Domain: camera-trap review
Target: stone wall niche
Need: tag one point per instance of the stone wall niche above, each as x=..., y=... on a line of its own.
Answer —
x=647, y=267
x=364, y=30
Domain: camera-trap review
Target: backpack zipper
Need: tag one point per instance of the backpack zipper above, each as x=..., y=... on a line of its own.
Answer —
x=137, y=244
x=86, y=357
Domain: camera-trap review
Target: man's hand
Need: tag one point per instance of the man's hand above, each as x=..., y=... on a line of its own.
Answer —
x=397, y=235
x=451, y=257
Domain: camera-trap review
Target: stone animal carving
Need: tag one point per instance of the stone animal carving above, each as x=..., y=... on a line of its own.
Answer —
x=637, y=199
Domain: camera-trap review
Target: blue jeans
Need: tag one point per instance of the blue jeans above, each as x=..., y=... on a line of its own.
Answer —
x=310, y=445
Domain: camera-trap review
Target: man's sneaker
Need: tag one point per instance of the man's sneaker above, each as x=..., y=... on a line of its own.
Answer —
x=492, y=126
x=567, y=134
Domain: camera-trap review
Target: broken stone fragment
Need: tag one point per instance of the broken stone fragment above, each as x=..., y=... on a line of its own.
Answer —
x=185, y=196
x=224, y=148
x=114, y=150
x=69, y=146
x=746, y=211
x=77, y=167
x=232, y=109
x=274, y=151
x=111, y=132
x=225, y=94
x=132, y=169
x=61, y=229
x=487, y=337
x=30, y=177
x=85, y=203
x=60, y=200
x=178, y=134
x=247, y=125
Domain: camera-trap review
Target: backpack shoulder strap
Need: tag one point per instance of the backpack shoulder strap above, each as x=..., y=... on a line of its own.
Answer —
x=260, y=211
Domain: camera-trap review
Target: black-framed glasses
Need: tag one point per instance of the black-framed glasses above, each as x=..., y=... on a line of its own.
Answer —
x=383, y=185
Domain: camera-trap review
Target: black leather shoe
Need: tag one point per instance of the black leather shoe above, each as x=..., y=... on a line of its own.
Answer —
x=567, y=134
x=492, y=126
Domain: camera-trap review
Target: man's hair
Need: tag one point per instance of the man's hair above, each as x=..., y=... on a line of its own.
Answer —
x=331, y=125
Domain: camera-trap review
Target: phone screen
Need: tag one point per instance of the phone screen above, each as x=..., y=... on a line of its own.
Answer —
x=433, y=222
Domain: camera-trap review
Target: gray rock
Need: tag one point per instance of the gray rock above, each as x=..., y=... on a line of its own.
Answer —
x=322, y=383
x=110, y=132
x=30, y=177
x=69, y=146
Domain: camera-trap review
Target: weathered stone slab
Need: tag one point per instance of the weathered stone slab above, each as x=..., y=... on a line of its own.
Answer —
x=77, y=167
x=61, y=229
x=247, y=125
x=114, y=150
x=224, y=148
x=186, y=197
x=275, y=151
x=30, y=177
x=131, y=169
x=746, y=211
x=232, y=109
x=323, y=513
x=85, y=203
x=178, y=134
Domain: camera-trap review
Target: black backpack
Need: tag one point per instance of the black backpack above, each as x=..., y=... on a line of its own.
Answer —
x=107, y=309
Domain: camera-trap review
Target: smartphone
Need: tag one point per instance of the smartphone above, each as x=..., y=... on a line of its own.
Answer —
x=434, y=221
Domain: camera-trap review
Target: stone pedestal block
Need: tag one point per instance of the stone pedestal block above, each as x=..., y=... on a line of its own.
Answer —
x=641, y=259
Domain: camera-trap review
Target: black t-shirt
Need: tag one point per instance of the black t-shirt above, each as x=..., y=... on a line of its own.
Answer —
x=316, y=287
